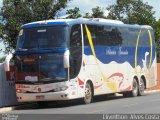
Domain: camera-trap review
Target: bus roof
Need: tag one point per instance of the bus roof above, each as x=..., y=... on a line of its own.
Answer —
x=95, y=21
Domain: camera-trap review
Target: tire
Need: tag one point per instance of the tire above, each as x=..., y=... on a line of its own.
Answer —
x=134, y=91
x=88, y=93
x=141, y=87
x=126, y=94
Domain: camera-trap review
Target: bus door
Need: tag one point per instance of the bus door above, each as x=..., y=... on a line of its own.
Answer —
x=75, y=54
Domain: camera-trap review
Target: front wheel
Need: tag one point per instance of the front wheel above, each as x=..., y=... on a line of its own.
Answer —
x=88, y=94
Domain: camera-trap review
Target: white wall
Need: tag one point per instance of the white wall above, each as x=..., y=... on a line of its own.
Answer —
x=7, y=89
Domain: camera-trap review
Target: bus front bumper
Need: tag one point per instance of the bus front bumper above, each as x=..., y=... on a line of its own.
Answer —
x=51, y=96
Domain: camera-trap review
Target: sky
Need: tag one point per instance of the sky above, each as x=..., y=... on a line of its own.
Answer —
x=1, y=2
x=87, y=5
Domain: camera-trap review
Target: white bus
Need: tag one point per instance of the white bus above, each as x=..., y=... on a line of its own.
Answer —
x=76, y=58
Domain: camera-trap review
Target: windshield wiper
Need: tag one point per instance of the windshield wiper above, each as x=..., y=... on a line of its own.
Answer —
x=21, y=49
x=55, y=48
x=53, y=79
x=47, y=79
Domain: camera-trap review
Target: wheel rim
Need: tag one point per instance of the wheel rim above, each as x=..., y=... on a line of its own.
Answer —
x=135, y=88
x=141, y=86
x=88, y=93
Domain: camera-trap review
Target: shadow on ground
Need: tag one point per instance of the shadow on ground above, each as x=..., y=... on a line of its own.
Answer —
x=63, y=104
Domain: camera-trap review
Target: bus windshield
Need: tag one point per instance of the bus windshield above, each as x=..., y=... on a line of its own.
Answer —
x=42, y=38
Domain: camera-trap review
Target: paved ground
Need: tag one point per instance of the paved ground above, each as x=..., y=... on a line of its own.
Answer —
x=149, y=103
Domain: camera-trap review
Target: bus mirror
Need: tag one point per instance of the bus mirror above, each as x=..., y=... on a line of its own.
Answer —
x=7, y=62
x=66, y=59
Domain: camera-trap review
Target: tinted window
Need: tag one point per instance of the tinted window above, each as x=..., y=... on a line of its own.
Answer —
x=75, y=37
x=117, y=36
x=144, y=38
x=93, y=30
x=103, y=35
x=75, y=50
x=106, y=35
x=42, y=37
x=128, y=35
x=51, y=67
x=85, y=37
x=153, y=39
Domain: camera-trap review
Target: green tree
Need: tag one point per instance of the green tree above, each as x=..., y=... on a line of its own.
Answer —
x=73, y=13
x=19, y=12
x=132, y=12
x=97, y=12
x=87, y=15
x=2, y=59
x=1, y=27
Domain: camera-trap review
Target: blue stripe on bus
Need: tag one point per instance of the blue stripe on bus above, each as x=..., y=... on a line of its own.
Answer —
x=57, y=50
x=121, y=54
x=43, y=24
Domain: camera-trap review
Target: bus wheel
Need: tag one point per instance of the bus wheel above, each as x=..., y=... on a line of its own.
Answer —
x=88, y=94
x=141, y=87
x=134, y=91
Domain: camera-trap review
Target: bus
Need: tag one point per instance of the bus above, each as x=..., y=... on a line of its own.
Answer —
x=68, y=59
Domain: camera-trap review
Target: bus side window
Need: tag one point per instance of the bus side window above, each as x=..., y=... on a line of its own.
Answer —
x=92, y=30
x=123, y=34
x=86, y=42
x=75, y=36
x=75, y=50
x=128, y=36
x=153, y=39
x=144, y=38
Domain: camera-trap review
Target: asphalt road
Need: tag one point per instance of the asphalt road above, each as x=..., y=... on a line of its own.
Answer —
x=148, y=104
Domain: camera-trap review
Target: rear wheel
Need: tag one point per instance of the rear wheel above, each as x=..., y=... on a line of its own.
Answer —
x=141, y=87
x=134, y=91
x=88, y=94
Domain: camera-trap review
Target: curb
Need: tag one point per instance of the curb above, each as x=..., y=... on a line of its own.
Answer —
x=151, y=91
x=148, y=91
x=6, y=109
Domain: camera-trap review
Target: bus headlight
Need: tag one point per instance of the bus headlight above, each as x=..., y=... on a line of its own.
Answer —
x=61, y=88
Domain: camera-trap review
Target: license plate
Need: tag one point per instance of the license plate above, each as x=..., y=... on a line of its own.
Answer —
x=31, y=78
x=40, y=97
